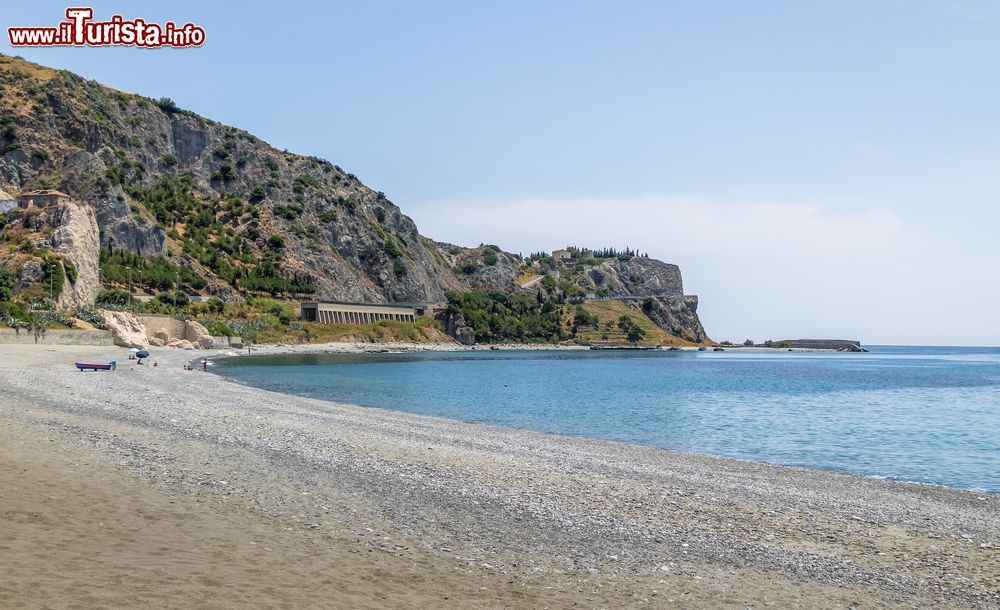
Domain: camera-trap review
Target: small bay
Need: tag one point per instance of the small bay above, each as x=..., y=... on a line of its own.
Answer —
x=924, y=414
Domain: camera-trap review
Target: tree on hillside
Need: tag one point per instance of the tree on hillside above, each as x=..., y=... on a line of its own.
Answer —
x=6, y=285
x=630, y=328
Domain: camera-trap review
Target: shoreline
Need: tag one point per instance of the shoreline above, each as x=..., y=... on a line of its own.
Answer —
x=576, y=520
x=364, y=348
x=382, y=347
x=409, y=347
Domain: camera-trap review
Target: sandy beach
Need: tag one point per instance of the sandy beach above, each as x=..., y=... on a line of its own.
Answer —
x=160, y=487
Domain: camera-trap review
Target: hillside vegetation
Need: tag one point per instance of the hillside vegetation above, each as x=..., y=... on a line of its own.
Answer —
x=606, y=324
x=168, y=203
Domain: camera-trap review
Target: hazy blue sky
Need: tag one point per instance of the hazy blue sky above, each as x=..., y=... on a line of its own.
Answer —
x=815, y=171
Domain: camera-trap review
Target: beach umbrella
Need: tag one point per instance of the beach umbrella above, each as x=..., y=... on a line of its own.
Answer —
x=134, y=349
x=142, y=354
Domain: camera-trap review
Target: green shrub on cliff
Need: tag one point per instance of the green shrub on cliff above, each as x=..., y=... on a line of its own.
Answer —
x=174, y=298
x=392, y=249
x=14, y=315
x=169, y=198
x=89, y=315
x=54, y=276
x=113, y=298
x=268, y=277
x=583, y=318
x=216, y=328
x=632, y=331
x=6, y=285
x=496, y=316
x=70, y=269
x=167, y=105
x=153, y=273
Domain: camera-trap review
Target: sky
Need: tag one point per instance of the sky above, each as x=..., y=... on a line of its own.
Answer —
x=816, y=169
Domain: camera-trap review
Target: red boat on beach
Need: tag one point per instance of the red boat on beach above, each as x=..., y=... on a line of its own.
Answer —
x=91, y=366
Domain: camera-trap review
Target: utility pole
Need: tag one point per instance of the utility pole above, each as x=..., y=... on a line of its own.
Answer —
x=177, y=279
x=129, y=285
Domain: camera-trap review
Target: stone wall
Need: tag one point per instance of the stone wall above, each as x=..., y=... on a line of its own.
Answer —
x=57, y=337
x=224, y=342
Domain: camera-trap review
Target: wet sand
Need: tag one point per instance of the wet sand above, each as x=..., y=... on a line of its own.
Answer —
x=168, y=488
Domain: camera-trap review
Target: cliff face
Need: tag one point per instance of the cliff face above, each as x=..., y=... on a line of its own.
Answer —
x=656, y=285
x=165, y=181
x=76, y=239
x=151, y=178
x=677, y=314
x=635, y=277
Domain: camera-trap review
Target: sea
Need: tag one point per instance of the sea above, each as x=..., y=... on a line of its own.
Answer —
x=920, y=414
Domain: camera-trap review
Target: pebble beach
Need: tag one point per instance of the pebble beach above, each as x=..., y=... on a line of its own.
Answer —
x=174, y=488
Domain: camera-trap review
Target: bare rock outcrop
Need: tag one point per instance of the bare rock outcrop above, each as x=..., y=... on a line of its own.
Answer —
x=31, y=272
x=181, y=344
x=197, y=335
x=486, y=268
x=126, y=329
x=677, y=314
x=174, y=333
x=656, y=285
x=456, y=327
x=636, y=277
x=120, y=227
x=77, y=239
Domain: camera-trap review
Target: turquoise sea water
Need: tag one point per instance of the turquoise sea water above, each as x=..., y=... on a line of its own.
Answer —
x=926, y=414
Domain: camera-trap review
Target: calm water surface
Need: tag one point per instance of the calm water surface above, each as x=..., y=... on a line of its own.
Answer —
x=925, y=414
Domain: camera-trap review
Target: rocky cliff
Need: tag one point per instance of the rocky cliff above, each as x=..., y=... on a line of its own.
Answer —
x=214, y=198
x=656, y=285
x=634, y=277
x=237, y=215
x=76, y=238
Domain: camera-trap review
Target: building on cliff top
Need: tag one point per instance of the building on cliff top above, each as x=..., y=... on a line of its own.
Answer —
x=7, y=202
x=43, y=198
x=560, y=254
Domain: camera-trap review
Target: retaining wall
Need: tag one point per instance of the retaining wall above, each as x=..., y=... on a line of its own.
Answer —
x=224, y=342
x=57, y=337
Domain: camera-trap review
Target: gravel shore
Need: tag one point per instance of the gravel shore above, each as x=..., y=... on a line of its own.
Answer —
x=483, y=516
